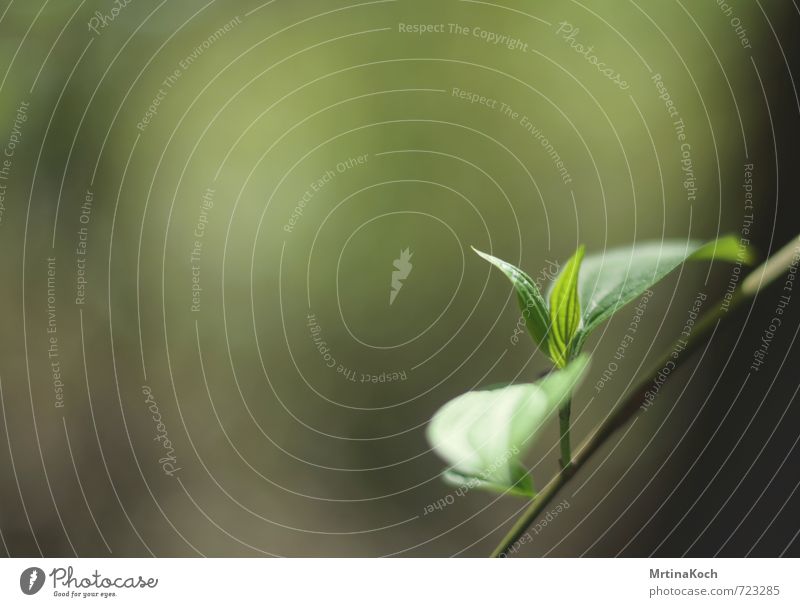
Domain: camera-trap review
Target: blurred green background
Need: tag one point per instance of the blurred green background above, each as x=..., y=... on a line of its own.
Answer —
x=278, y=452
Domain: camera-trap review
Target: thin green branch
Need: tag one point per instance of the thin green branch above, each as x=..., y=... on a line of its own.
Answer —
x=564, y=441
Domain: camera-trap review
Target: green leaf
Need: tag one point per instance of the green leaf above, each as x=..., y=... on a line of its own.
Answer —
x=565, y=310
x=523, y=487
x=726, y=248
x=610, y=280
x=531, y=302
x=483, y=435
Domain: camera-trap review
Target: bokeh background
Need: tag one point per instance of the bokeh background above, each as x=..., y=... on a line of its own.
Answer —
x=233, y=182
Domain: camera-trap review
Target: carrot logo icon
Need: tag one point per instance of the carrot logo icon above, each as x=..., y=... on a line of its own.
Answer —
x=402, y=269
x=31, y=580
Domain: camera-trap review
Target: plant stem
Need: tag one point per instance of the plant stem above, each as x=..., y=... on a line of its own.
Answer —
x=566, y=449
x=770, y=270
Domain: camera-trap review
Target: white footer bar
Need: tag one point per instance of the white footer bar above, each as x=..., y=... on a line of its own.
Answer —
x=401, y=582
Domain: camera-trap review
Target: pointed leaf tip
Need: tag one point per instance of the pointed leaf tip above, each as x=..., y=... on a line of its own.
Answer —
x=531, y=302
